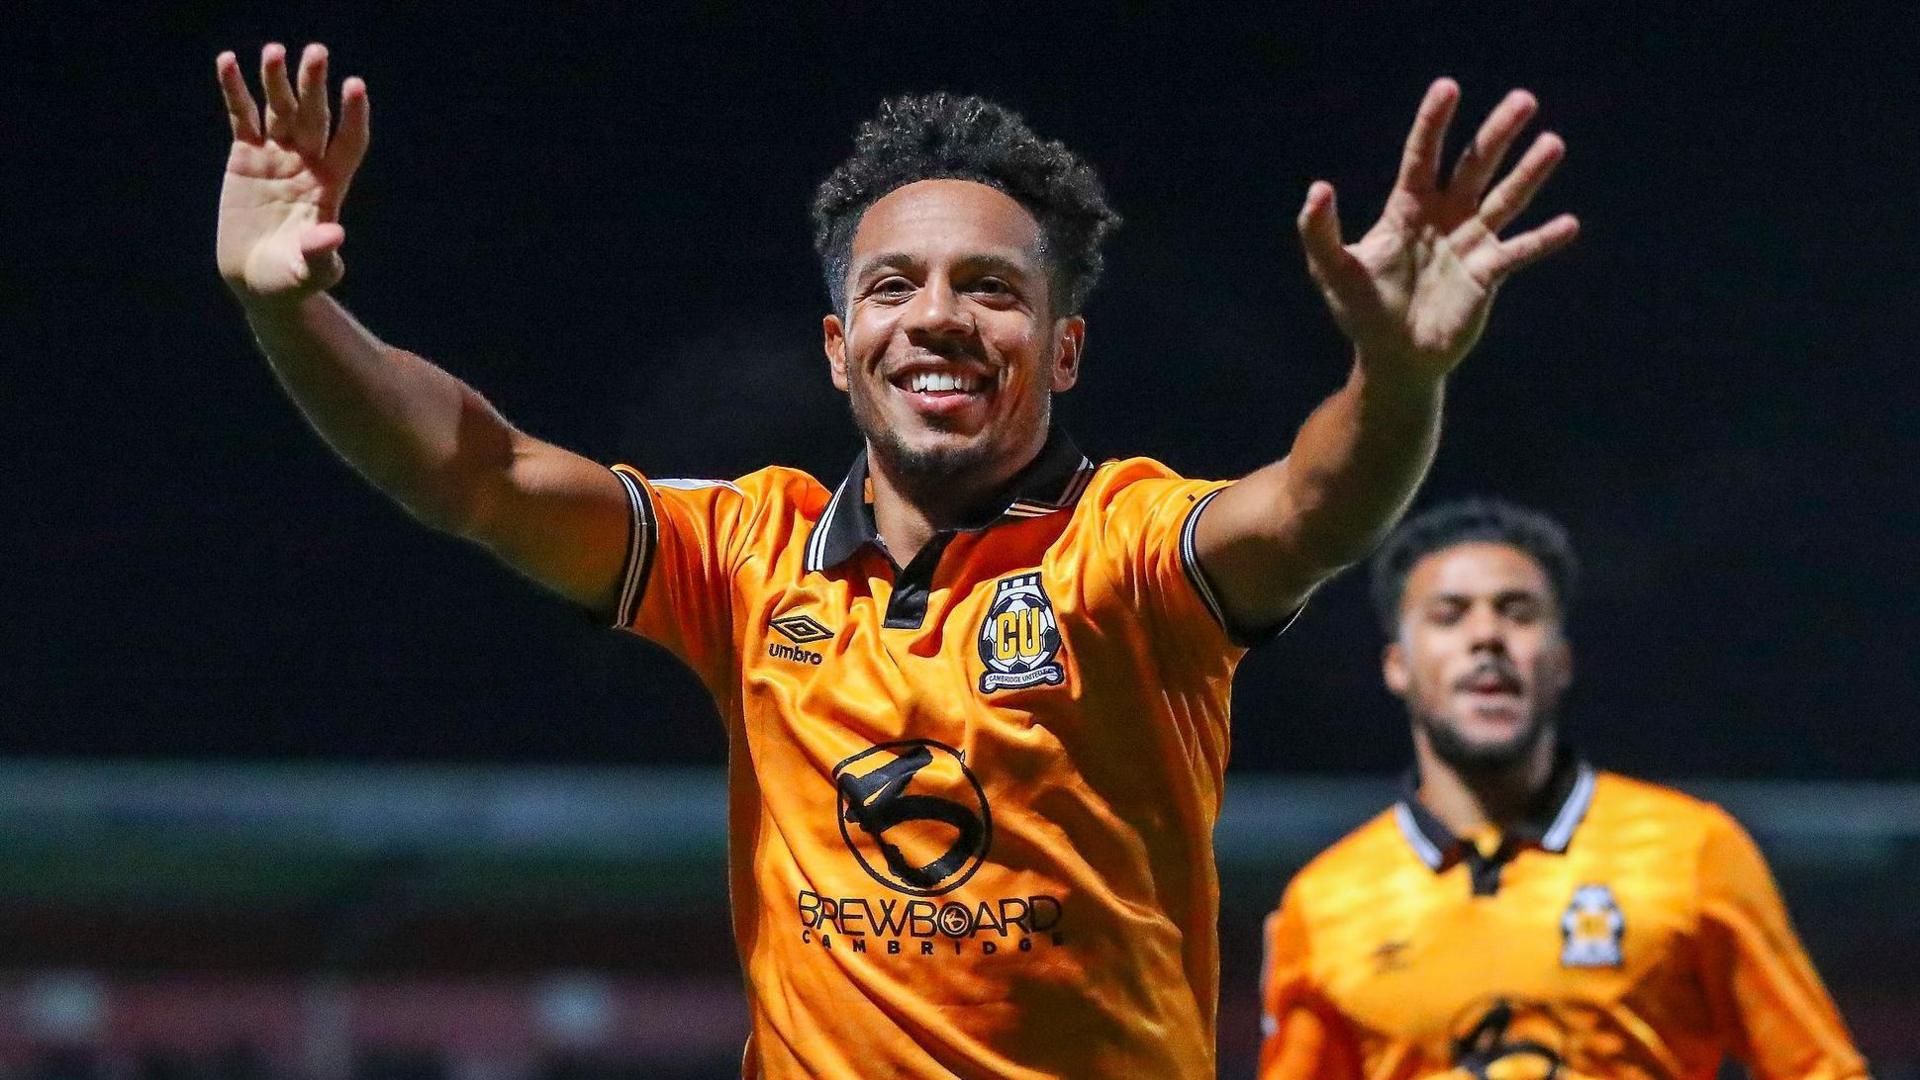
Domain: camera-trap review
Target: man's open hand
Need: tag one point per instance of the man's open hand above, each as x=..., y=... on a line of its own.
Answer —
x=280, y=231
x=1414, y=292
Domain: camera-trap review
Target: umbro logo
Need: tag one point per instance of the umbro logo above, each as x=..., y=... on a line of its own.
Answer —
x=801, y=630
x=1390, y=956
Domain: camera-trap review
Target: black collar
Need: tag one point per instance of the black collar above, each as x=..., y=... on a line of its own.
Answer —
x=1051, y=482
x=1549, y=824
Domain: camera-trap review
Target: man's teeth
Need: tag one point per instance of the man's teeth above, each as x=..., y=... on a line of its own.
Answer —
x=923, y=382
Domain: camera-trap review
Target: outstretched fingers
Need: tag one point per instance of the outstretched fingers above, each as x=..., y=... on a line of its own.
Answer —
x=282, y=106
x=1522, y=251
x=243, y=114
x=349, y=144
x=1328, y=260
x=1510, y=197
x=1490, y=145
x=1420, y=161
x=298, y=121
x=313, y=119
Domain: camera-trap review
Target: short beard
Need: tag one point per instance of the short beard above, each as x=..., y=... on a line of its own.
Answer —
x=931, y=470
x=1484, y=759
x=923, y=469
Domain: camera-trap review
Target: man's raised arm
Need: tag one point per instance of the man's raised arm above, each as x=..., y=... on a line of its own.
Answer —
x=1413, y=295
x=419, y=434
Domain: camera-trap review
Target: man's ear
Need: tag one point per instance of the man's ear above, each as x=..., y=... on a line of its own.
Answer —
x=1393, y=668
x=1562, y=671
x=1069, y=342
x=834, y=340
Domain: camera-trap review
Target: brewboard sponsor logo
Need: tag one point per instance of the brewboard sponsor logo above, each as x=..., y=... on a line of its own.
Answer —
x=914, y=816
x=1510, y=1039
x=898, y=926
x=916, y=820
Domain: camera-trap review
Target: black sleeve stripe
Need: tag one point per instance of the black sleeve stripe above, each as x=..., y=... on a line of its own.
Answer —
x=640, y=543
x=1190, y=560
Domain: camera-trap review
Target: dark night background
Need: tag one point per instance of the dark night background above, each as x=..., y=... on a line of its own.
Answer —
x=598, y=218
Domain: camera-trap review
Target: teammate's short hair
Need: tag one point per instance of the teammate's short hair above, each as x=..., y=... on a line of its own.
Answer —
x=944, y=136
x=1466, y=521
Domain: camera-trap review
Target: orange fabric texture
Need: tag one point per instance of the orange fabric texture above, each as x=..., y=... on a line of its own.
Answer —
x=1655, y=944
x=979, y=845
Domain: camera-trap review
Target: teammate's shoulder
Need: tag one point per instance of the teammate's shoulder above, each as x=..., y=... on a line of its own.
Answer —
x=1695, y=832
x=1617, y=790
x=1625, y=803
x=1355, y=858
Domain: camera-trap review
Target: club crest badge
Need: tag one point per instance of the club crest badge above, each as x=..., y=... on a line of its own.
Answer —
x=1019, y=638
x=1591, y=929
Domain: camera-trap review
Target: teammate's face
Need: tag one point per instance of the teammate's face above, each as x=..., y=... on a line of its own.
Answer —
x=1479, y=659
x=949, y=348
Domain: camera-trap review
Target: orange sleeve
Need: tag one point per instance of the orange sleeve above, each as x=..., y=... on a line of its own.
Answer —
x=1305, y=1036
x=683, y=548
x=1146, y=540
x=1767, y=1001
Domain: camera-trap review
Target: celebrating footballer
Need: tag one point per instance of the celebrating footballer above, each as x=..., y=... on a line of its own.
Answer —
x=976, y=690
x=1519, y=913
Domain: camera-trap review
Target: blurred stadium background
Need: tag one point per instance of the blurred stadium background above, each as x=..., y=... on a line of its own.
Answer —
x=291, y=789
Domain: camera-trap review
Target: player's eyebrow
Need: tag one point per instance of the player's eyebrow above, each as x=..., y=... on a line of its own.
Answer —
x=1518, y=592
x=892, y=260
x=1508, y=596
x=985, y=261
x=996, y=264
x=1533, y=597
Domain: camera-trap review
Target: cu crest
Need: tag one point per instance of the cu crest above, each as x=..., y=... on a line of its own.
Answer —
x=1020, y=638
x=1591, y=929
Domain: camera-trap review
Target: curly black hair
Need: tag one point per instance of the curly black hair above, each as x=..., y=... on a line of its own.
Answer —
x=1468, y=521
x=943, y=136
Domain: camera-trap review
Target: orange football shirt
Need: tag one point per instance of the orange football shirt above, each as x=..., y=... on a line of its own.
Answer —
x=972, y=798
x=1634, y=932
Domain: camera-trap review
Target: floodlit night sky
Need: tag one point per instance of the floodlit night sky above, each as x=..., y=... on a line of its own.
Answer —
x=599, y=221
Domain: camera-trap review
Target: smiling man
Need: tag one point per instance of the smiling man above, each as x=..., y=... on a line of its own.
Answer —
x=1518, y=914
x=976, y=691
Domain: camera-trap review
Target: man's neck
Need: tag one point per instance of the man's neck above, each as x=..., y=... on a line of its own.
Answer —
x=908, y=513
x=904, y=523
x=1466, y=802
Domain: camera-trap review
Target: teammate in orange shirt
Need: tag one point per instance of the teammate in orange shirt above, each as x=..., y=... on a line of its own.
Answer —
x=976, y=693
x=1518, y=914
